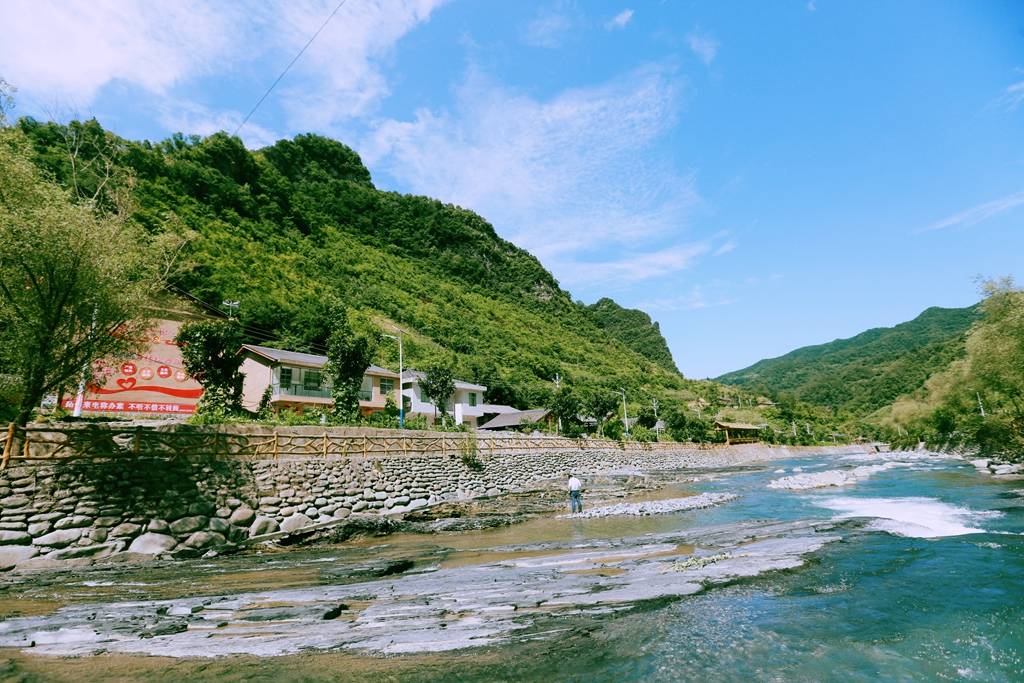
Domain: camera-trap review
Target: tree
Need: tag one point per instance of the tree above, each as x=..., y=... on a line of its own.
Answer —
x=599, y=403
x=438, y=384
x=565, y=407
x=348, y=355
x=209, y=350
x=6, y=100
x=74, y=282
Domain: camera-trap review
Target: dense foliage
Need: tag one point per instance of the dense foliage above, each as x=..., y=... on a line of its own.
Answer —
x=283, y=229
x=349, y=353
x=635, y=329
x=209, y=352
x=978, y=401
x=73, y=280
x=866, y=372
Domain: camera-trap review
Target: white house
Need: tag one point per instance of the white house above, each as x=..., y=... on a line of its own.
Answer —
x=298, y=381
x=466, y=404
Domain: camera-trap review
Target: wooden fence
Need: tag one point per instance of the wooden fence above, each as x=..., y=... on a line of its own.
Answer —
x=103, y=441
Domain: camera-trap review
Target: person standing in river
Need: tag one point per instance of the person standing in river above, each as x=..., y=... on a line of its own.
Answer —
x=575, y=494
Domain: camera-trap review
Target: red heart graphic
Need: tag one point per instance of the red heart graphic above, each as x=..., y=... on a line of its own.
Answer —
x=126, y=382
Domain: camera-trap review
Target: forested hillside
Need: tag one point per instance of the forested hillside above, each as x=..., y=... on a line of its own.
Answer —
x=635, y=329
x=866, y=372
x=287, y=228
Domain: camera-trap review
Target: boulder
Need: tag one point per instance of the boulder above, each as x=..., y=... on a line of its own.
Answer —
x=14, y=554
x=151, y=543
x=204, y=539
x=126, y=529
x=14, y=502
x=59, y=538
x=243, y=516
x=263, y=525
x=296, y=521
x=188, y=524
x=14, y=538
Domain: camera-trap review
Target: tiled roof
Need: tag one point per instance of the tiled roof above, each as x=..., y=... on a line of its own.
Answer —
x=309, y=360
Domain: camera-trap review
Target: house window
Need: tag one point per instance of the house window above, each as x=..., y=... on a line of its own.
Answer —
x=311, y=380
x=286, y=377
x=472, y=398
x=387, y=386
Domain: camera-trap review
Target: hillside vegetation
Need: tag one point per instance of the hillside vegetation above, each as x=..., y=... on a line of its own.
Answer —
x=285, y=229
x=867, y=372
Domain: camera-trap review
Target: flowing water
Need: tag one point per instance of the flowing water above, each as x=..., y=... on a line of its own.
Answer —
x=912, y=570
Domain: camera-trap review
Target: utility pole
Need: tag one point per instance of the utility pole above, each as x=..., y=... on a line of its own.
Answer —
x=232, y=306
x=981, y=406
x=657, y=429
x=558, y=386
x=625, y=417
x=401, y=371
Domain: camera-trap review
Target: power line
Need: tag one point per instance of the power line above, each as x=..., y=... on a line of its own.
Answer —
x=287, y=68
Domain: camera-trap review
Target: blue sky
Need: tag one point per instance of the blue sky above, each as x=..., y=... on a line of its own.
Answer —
x=756, y=176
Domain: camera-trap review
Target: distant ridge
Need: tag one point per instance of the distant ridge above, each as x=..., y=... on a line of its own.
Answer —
x=868, y=371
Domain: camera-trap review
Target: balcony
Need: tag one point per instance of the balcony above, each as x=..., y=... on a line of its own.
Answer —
x=301, y=391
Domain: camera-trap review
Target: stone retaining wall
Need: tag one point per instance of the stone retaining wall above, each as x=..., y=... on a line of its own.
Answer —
x=96, y=508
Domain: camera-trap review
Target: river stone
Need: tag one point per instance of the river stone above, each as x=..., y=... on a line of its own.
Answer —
x=219, y=525
x=187, y=524
x=204, y=539
x=312, y=512
x=270, y=500
x=94, y=551
x=201, y=508
x=233, y=503
x=243, y=516
x=14, y=538
x=152, y=544
x=263, y=525
x=106, y=521
x=296, y=521
x=45, y=517
x=13, y=525
x=287, y=511
x=13, y=502
x=38, y=528
x=12, y=555
x=98, y=534
x=125, y=529
x=73, y=522
x=59, y=538
x=342, y=513
x=158, y=526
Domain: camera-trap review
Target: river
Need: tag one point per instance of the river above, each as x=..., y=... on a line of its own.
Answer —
x=911, y=570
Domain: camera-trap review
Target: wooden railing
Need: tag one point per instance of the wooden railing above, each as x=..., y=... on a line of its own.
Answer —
x=104, y=441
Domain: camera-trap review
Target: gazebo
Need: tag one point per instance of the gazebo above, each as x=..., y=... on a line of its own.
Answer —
x=739, y=432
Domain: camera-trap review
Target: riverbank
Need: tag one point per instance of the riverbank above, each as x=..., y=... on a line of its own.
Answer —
x=87, y=510
x=688, y=593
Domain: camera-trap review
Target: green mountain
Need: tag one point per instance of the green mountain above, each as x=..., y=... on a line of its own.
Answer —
x=866, y=372
x=286, y=228
x=635, y=329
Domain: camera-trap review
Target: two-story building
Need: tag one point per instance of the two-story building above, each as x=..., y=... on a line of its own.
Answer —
x=466, y=404
x=298, y=381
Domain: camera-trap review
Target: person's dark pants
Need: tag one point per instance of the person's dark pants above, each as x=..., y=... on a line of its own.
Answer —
x=576, y=501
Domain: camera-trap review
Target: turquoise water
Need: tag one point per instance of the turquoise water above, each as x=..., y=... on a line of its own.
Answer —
x=898, y=599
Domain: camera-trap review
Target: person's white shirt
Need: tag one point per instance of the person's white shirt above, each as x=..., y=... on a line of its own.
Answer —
x=575, y=484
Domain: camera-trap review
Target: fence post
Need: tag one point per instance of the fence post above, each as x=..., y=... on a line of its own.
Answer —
x=275, y=445
x=135, y=444
x=364, y=445
x=325, y=444
x=8, y=446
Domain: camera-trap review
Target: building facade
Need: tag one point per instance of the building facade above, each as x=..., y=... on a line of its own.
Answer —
x=298, y=381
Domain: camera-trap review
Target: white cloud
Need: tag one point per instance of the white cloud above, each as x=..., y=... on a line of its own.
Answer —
x=195, y=119
x=695, y=298
x=725, y=248
x=575, y=174
x=619, y=20
x=1012, y=96
x=341, y=74
x=69, y=50
x=702, y=45
x=551, y=26
x=631, y=269
x=977, y=214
